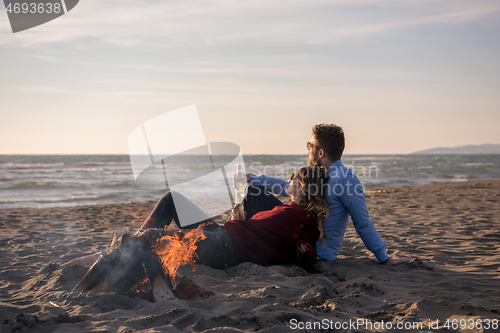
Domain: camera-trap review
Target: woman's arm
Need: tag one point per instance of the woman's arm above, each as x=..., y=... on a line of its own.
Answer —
x=271, y=184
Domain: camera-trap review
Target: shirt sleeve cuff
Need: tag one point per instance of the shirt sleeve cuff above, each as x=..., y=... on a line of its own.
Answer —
x=252, y=178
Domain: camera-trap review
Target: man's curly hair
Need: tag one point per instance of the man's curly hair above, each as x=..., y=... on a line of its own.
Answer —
x=331, y=138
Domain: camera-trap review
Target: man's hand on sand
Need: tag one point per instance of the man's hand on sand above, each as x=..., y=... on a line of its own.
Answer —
x=395, y=261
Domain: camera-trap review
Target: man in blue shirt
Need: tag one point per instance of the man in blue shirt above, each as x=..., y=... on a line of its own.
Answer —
x=345, y=197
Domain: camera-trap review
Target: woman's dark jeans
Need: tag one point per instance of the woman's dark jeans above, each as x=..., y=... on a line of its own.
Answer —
x=217, y=249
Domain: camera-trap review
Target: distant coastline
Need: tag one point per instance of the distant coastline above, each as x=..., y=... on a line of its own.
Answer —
x=470, y=149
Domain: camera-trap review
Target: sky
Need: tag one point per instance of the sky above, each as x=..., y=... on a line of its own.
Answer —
x=398, y=76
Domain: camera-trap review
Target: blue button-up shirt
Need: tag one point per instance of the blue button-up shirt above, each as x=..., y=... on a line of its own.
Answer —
x=346, y=198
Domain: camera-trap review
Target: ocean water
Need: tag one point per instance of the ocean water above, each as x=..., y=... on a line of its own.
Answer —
x=70, y=180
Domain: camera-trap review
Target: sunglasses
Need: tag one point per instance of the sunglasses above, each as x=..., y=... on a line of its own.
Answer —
x=311, y=146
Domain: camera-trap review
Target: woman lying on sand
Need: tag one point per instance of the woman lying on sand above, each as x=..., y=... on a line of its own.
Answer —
x=287, y=233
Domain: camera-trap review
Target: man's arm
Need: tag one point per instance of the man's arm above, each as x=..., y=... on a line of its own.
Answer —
x=353, y=199
x=271, y=184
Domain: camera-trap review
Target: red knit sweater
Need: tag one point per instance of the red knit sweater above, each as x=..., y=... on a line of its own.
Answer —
x=274, y=236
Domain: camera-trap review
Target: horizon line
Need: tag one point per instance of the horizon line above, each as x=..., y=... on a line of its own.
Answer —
x=357, y=154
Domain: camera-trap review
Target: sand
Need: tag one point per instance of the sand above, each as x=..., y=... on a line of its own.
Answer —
x=452, y=230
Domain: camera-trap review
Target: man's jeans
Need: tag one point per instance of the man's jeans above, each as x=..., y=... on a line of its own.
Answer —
x=259, y=200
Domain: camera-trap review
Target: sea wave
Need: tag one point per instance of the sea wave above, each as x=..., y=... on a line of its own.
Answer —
x=477, y=164
x=9, y=166
x=70, y=180
x=460, y=178
x=124, y=164
x=64, y=170
x=50, y=200
x=32, y=185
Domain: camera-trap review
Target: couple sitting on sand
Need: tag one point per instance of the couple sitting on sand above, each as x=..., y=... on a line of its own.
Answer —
x=324, y=196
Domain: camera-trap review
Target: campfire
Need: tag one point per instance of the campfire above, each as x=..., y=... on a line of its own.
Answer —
x=178, y=250
x=146, y=266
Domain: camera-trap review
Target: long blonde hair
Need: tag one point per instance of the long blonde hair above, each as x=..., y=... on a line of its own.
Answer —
x=314, y=182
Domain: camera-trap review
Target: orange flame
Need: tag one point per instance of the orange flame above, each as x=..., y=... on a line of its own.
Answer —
x=178, y=249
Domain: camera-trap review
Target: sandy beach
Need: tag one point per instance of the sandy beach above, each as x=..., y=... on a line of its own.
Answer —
x=452, y=230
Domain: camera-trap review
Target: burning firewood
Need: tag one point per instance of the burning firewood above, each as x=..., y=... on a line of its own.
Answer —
x=160, y=287
x=177, y=248
x=186, y=288
x=146, y=267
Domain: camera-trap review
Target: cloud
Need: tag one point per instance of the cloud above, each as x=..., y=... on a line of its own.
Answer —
x=35, y=89
x=221, y=22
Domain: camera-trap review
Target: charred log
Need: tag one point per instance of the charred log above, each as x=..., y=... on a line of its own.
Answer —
x=118, y=271
x=160, y=284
